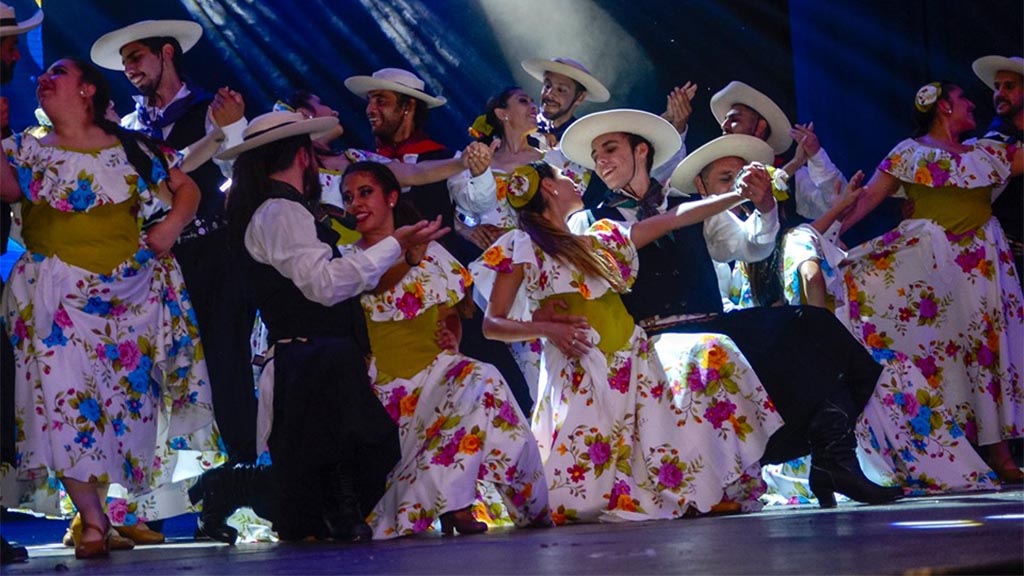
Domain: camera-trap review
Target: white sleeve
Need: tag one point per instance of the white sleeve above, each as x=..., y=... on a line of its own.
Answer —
x=815, y=187
x=474, y=194
x=282, y=234
x=729, y=238
x=233, y=135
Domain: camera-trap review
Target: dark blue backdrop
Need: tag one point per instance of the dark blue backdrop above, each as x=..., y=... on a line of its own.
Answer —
x=850, y=66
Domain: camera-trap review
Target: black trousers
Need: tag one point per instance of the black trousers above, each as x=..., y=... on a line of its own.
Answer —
x=213, y=278
x=326, y=418
x=803, y=356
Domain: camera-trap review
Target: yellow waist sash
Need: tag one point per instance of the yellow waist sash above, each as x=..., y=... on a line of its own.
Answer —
x=402, y=348
x=98, y=240
x=958, y=210
x=607, y=315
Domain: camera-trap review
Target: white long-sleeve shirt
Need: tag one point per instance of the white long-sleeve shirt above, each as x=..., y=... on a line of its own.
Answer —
x=282, y=234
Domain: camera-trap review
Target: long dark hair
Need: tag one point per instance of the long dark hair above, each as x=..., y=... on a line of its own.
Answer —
x=561, y=244
x=499, y=100
x=923, y=120
x=135, y=144
x=251, y=182
x=404, y=212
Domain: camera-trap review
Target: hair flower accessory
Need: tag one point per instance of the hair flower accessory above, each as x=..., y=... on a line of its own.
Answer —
x=927, y=96
x=480, y=128
x=523, y=185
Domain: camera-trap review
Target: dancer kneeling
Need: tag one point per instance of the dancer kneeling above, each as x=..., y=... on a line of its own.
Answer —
x=619, y=440
x=458, y=422
x=331, y=443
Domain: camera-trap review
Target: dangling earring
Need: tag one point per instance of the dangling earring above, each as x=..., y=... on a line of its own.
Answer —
x=81, y=93
x=392, y=204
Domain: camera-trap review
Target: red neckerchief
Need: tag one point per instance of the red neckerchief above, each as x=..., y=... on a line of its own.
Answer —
x=418, y=143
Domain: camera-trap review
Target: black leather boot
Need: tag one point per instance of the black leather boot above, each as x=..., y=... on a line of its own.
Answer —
x=834, y=466
x=222, y=491
x=343, y=514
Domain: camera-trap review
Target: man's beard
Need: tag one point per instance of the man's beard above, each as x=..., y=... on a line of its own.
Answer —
x=558, y=114
x=1011, y=112
x=6, y=72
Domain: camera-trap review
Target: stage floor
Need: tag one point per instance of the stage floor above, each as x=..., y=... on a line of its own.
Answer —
x=978, y=533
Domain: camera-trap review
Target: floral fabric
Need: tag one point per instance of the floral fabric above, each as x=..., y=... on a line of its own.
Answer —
x=458, y=422
x=111, y=383
x=620, y=438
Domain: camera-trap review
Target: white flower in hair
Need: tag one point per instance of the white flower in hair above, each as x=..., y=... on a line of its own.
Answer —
x=927, y=96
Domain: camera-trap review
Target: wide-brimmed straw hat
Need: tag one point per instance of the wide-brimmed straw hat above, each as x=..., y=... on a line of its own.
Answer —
x=737, y=92
x=576, y=142
x=395, y=80
x=106, y=51
x=278, y=125
x=986, y=67
x=596, y=92
x=9, y=25
x=749, y=148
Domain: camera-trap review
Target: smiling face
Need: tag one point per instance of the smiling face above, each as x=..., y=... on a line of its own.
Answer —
x=718, y=177
x=960, y=111
x=742, y=119
x=521, y=112
x=1008, y=98
x=386, y=115
x=616, y=162
x=144, y=68
x=363, y=197
x=559, y=96
x=61, y=87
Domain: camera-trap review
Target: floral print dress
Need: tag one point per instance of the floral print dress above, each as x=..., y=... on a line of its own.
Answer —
x=943, y=292
x=459, y=426
x=907, y=296
x=111, y=383
x=620, y=438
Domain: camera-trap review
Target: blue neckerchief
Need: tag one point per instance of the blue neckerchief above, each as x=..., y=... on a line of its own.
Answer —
x=154, y=127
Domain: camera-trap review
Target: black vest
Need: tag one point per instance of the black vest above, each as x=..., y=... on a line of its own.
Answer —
x=287, y=312
x=186, y=130
x=676, y=273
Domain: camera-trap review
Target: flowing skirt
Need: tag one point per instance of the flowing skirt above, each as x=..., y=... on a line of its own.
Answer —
x=953, y=305
x=458, y=426
x=623, y=440
x=111, y=385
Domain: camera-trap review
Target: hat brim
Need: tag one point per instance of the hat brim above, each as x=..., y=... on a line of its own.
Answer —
x=596, y=92
x=315, y=127
x=23, y=26
x=740, y=93
x=363, y=85
x=106, y=51
x=987, y=67
x=749, y=148
x=576, y=142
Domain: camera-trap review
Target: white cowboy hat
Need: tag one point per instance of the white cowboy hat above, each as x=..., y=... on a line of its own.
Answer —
x=749, y=148
x=987, y=66
x=277, y=125
x=9, y=24
x=596, y=92
x=739, y=93
x=395, y=80
x=106, y=51
x=576, y=142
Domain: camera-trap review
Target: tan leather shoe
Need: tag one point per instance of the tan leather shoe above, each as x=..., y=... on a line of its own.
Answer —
x=74, y=534
x=140, y=534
